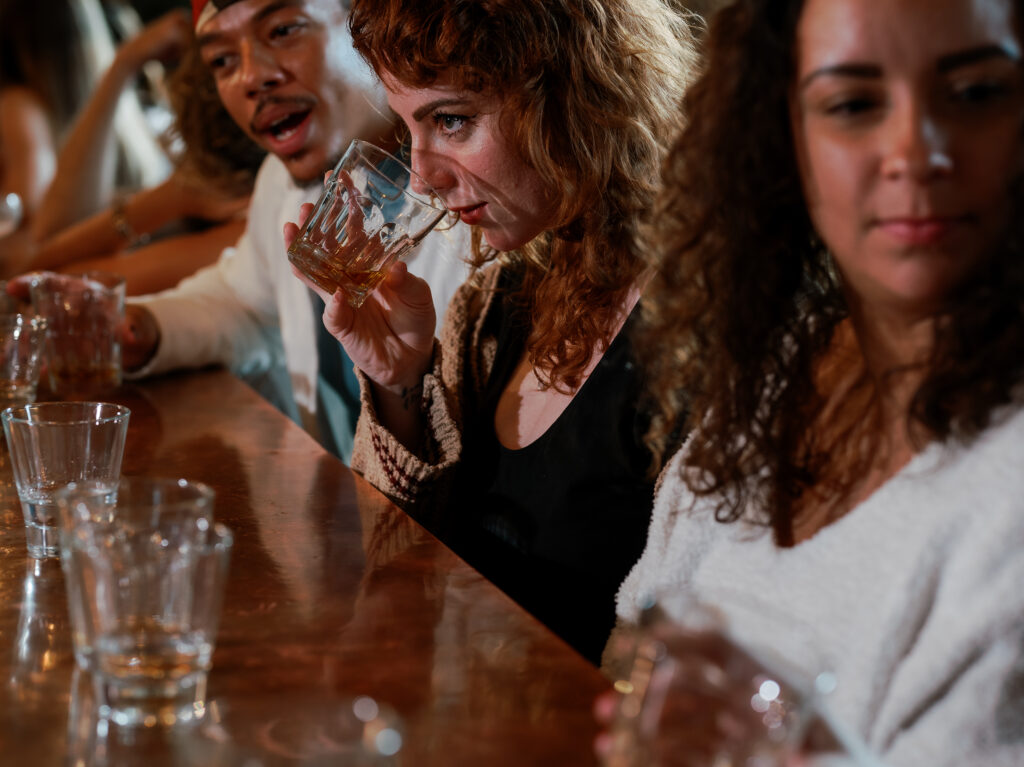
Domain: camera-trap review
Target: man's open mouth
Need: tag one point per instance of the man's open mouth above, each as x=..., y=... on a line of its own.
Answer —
x=285, y=127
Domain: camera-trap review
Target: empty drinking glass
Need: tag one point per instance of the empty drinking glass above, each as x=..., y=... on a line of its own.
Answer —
x=145, y=568
x=54, y=443
x=22, y=344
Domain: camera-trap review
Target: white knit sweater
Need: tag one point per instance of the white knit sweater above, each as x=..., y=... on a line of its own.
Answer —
x=915, y=598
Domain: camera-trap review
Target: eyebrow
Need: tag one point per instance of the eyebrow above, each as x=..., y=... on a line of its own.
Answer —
x=946, y=64
x=973, y=56
x=426, y=109
x=260, y=15
x=863, y=71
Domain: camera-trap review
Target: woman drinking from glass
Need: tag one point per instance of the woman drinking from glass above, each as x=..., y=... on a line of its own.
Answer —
x=517, y=436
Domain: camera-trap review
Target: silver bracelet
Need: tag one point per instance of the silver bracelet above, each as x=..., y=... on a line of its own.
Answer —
x=124, y=228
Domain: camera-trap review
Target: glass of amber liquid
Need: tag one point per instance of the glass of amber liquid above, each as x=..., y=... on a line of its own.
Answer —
x=83, y=313
x=374, y=210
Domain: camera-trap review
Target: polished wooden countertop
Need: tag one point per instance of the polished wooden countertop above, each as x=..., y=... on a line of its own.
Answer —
x=333, y=593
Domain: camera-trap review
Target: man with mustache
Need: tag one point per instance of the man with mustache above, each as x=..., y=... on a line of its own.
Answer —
x=287, y=74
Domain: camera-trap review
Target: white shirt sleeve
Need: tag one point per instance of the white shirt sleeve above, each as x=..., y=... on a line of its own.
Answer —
x=226, y=313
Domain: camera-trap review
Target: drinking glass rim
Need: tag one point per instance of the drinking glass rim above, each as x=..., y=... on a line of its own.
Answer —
x=106, y=279
x=432, y=200
x=21, y=413
x=203, y=491
x=150, y=496
x=109, y=280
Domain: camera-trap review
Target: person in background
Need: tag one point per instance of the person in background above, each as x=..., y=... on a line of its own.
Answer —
x=86, y=178
x=52, y=56
x=516, y=437
x=158, y=236
x=288, y=76
x=839, y=297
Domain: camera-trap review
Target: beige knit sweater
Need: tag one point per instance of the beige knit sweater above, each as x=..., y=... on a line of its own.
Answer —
x=462, y=362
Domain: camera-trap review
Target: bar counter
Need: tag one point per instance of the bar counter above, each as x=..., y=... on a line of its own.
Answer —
x=333, y=594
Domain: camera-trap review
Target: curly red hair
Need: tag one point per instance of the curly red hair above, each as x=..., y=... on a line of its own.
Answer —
x=591, y=92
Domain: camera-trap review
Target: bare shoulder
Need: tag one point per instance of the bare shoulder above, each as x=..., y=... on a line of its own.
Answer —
x=16, y=100
x=22, y=112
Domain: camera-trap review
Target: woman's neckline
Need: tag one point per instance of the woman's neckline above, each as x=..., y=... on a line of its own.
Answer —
x=546, y=407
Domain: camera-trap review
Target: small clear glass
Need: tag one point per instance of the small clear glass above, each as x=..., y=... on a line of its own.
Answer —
x=22, y=347
x=54, y=443
x=145, y=568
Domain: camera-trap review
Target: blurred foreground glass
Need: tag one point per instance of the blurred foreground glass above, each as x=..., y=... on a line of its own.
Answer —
x=54, y=443
x=701, y=694
x=374, y=210
x=145, y=568
x=83, y=314
x=137, y=502
x=22, y=343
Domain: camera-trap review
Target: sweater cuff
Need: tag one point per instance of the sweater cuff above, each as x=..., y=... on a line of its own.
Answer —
x=392, y=468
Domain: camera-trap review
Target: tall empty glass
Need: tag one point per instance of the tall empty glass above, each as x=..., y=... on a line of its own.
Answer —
x=54, y=443
x=145, y=568
x=368, y=216
x=22, y=344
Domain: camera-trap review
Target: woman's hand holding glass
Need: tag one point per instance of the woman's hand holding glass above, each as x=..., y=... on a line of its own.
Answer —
x=695, y=696
x=391, y=336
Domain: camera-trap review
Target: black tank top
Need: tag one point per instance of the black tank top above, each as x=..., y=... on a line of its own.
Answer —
x=559, y=523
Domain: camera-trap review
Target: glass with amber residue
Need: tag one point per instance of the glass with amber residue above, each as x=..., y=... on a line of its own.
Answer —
x=83, y=314
x=373, y=211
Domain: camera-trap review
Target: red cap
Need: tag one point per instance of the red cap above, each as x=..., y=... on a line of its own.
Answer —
x=204, y=10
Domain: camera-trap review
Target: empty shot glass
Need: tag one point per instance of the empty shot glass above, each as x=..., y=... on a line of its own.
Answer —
x=373, y=211
x=83, y=314
x=22, y=345
x=54, y=443
x=145, y=569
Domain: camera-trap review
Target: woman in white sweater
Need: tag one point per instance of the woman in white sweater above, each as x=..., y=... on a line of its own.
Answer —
x=842, y=264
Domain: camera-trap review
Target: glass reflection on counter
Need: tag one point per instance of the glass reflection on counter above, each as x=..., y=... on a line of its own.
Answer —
x=43, y=640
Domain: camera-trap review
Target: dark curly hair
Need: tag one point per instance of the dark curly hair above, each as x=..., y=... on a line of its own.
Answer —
x=215, y=149
x=591, y=92
x=746, y=301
